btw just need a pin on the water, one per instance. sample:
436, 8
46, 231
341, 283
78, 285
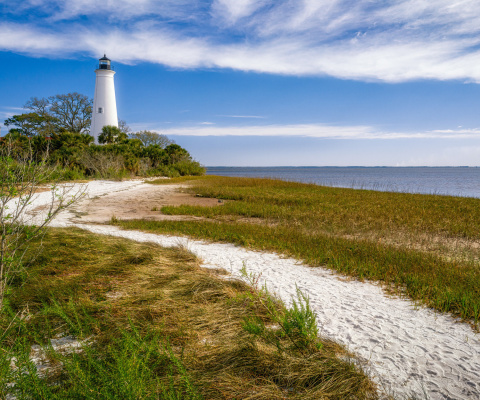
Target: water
454, 181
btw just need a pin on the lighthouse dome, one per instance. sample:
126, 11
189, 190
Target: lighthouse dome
104, 63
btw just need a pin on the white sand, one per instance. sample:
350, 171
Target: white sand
410, 350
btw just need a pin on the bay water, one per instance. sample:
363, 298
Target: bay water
452, 181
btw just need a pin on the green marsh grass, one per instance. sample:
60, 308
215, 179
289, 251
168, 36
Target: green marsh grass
156, 326
340, 210
365, 234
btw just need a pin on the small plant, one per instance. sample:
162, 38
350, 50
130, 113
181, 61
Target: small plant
297, 323
252, 278
253, 325
300, 321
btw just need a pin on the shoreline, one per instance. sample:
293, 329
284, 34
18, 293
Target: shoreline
412, 180
410, 348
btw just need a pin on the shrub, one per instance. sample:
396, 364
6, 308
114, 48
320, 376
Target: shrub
76, 157
189, 167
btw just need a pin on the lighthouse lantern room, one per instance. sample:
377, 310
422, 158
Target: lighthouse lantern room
104, 105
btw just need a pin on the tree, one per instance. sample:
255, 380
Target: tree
73, 111
175, 153
152, 138
67, 148
122, 125
70, 112
111, 134
32, 124
20, 177
39, 106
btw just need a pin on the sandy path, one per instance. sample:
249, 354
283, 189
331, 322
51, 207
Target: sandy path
135, 200
410, 350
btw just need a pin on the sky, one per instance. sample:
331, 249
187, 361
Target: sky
264, 82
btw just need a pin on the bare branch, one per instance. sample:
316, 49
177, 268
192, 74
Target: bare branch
20, 223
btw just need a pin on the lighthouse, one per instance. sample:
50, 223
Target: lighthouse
104, 105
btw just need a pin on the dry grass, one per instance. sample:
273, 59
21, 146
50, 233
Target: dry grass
107, 289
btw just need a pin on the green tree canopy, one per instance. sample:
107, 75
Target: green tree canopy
69, 112
176, 153
151, 138
111, 134
32, 124
55, 132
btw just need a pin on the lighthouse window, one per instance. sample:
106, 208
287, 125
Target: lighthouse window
100, 110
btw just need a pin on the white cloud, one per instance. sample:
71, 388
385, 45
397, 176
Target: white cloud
319, 131
7, 112
26, 39
388, 41
233, 10
243, 116
365, 59
316, 130
459, 131
58, 10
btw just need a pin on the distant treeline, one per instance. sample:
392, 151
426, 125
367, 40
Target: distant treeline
56, 131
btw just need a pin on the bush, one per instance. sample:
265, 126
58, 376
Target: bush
76, 157
68, 174
164, 170
189, 167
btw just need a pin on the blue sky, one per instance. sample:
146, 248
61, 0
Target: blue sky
263, 82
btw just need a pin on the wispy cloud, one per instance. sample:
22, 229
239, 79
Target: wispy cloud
319, 131
12, 109
242, 116
388, 41
7, 112
58, 10
233, 10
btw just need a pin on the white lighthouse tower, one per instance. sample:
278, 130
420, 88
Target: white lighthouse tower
104, 105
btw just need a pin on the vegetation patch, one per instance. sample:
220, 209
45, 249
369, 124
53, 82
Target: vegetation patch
365, 234
153, 325
56, 130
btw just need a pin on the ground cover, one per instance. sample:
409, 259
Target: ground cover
154, 325
423, 246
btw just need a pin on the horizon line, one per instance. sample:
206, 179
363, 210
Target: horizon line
343, 166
